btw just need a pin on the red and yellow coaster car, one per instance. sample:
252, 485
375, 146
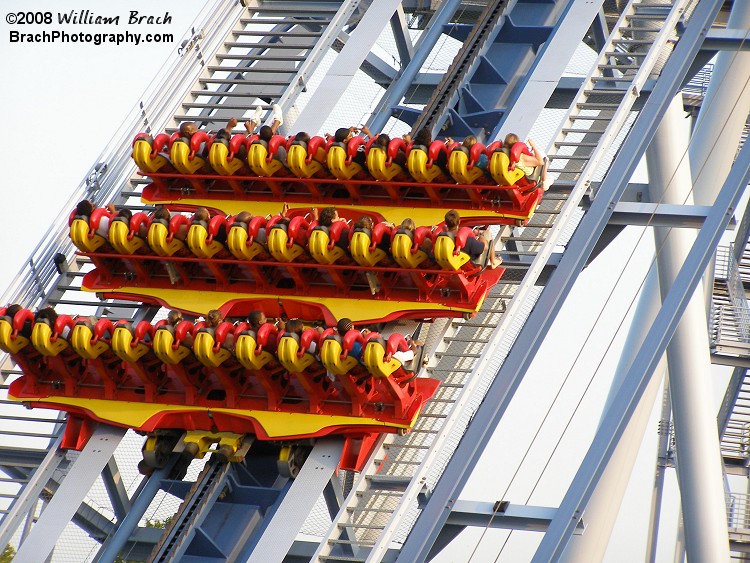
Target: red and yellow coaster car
276, 386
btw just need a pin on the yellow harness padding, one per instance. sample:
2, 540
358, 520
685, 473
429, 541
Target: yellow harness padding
257, 158
319, 250
122, 345
359, 247
417, 164
277, 246
377, 164
330, 356
296, 159
79, 234
203, 349
180, 156
7, 342
401, 251
197, 241
163, 347
142, 150
444, 252
287, 354
373, 357
218, 159
157, 238
237, 244
118, 238
338, 166
458, 166
41, 338
244, 351
80, 340
499, 169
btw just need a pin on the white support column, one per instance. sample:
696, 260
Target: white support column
657, 494
305, 491
721, 120
665, 159
64, 504
722, 116
342, 71
679, 546
696, 436
603, 508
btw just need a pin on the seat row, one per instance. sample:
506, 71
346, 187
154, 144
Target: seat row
275, 238
354, 357
152, 376
397, 161
264, 369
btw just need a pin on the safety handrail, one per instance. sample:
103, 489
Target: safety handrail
35, 280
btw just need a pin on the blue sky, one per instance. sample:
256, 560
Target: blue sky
61, 104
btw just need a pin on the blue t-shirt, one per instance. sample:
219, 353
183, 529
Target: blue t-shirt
356, 351
482, 161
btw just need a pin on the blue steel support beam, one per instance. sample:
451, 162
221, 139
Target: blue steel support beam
727, 40
118, 496
533, 92
509, 376
401, 36
659, 215
638, 376
599, 30
423, 49
716, 40
422, 85
484, 514
465, 514
378, 69
115, 544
